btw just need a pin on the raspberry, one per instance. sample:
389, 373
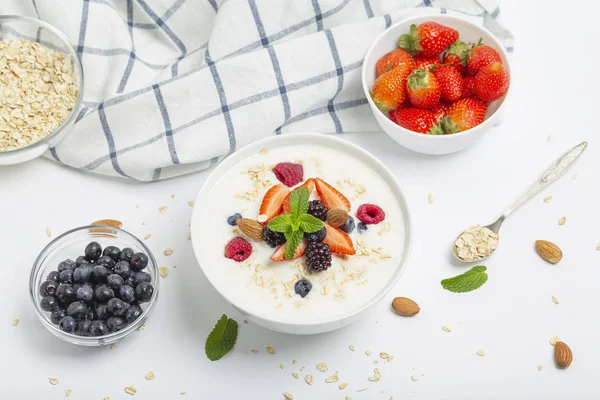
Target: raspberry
370, 214
238, 249
289, 174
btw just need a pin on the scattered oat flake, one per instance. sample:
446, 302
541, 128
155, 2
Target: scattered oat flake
150, 376
264, 151
539, 367
262, 218
141, 328
362, 390
347, 398
245, 321
430, 198
163, 271
308, 379
182, 393
254, 350
446, 329
574, 176
547, 199
343, 385
68, 392
48, 232
333, 378
554, 339
549, 138
288, 396
130, 390
555, 300
414, 378
271, 350
113, 346
368, 353
168, 252
598, 246
15, 322
383, 355
191, 203
107, 398
281, 366
294, 361
53, 381
172, 196
295, 375
162, 209
148, 236
562, 220
322, 367
480, 353
351, 348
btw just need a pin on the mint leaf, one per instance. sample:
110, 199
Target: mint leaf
293, 241
280, 223
222, 338
309, 224
470, 280
299, 201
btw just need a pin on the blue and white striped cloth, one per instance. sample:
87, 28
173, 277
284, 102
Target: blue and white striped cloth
173, 86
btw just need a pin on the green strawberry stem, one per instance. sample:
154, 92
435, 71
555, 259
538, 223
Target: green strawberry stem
410, 41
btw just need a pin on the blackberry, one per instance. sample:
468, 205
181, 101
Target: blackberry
317, 236
318, 256
272, 238
317, 209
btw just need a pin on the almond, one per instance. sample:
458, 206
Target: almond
251, 228
337, 217
562, 355
548, 251
405, 306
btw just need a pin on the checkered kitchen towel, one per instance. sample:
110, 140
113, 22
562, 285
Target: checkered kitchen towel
173, 86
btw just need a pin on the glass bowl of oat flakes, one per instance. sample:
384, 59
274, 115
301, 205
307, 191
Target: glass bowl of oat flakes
41, 88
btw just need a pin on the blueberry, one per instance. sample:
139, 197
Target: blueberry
117, 307
85, 293
77, 310
115, 324
348, 227
82, 274
101, 311
123, 269
302, 287
317, 236
57, 315
91, 314
67, 324
114, 281
65, 294
133, 313
139, 261
67, 264
83, 327
126, 293
103, 293
112, 252
144, 291
93, 251
106, 261
48, 288
100, 273
140, 277
80, 261
53, 276
49, 303
361, 227
98, 328
129, 281
233, 219
126, 254
66, 276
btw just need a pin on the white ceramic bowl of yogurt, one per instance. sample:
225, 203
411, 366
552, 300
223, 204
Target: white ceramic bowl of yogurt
262, 290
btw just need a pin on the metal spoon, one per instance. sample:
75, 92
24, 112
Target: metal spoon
558, 168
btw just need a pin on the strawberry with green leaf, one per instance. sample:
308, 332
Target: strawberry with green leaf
389, 89
480, 56
393, 59
294, 225
456, 55
423, 89
428, 39
464, 114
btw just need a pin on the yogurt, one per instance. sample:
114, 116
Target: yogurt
266, 288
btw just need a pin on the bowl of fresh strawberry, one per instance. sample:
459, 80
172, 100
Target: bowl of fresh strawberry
436, 84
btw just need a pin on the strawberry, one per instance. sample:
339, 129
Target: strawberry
393, 59
450, 80
389, 90
415, 119
338, 241
491, 82
440, 110
330, 196
482, 55
310, 184
279, 253
271, 205
423, 89
464, 114
468, 88
428, 39
426, 62
456, 55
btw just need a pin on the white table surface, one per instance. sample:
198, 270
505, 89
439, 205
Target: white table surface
511, 317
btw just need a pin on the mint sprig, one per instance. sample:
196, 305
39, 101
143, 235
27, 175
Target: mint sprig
295, 224
222, 338
470, 280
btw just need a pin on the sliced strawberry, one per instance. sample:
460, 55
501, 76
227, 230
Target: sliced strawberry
310, 184
330, 196
279, 253
338, 241
272, 202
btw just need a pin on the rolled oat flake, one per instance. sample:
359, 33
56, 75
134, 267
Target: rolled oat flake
475, 243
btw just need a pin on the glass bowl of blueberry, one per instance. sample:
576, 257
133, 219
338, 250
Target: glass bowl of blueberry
94, 285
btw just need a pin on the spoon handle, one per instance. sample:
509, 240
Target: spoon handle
558, 168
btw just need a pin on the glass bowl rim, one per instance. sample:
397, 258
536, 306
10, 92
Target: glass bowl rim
65, 40
111, 337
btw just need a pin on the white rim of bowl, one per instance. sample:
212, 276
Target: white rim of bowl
400, 268
436, 18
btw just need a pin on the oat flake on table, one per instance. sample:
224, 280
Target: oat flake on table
15, 322
68, 392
